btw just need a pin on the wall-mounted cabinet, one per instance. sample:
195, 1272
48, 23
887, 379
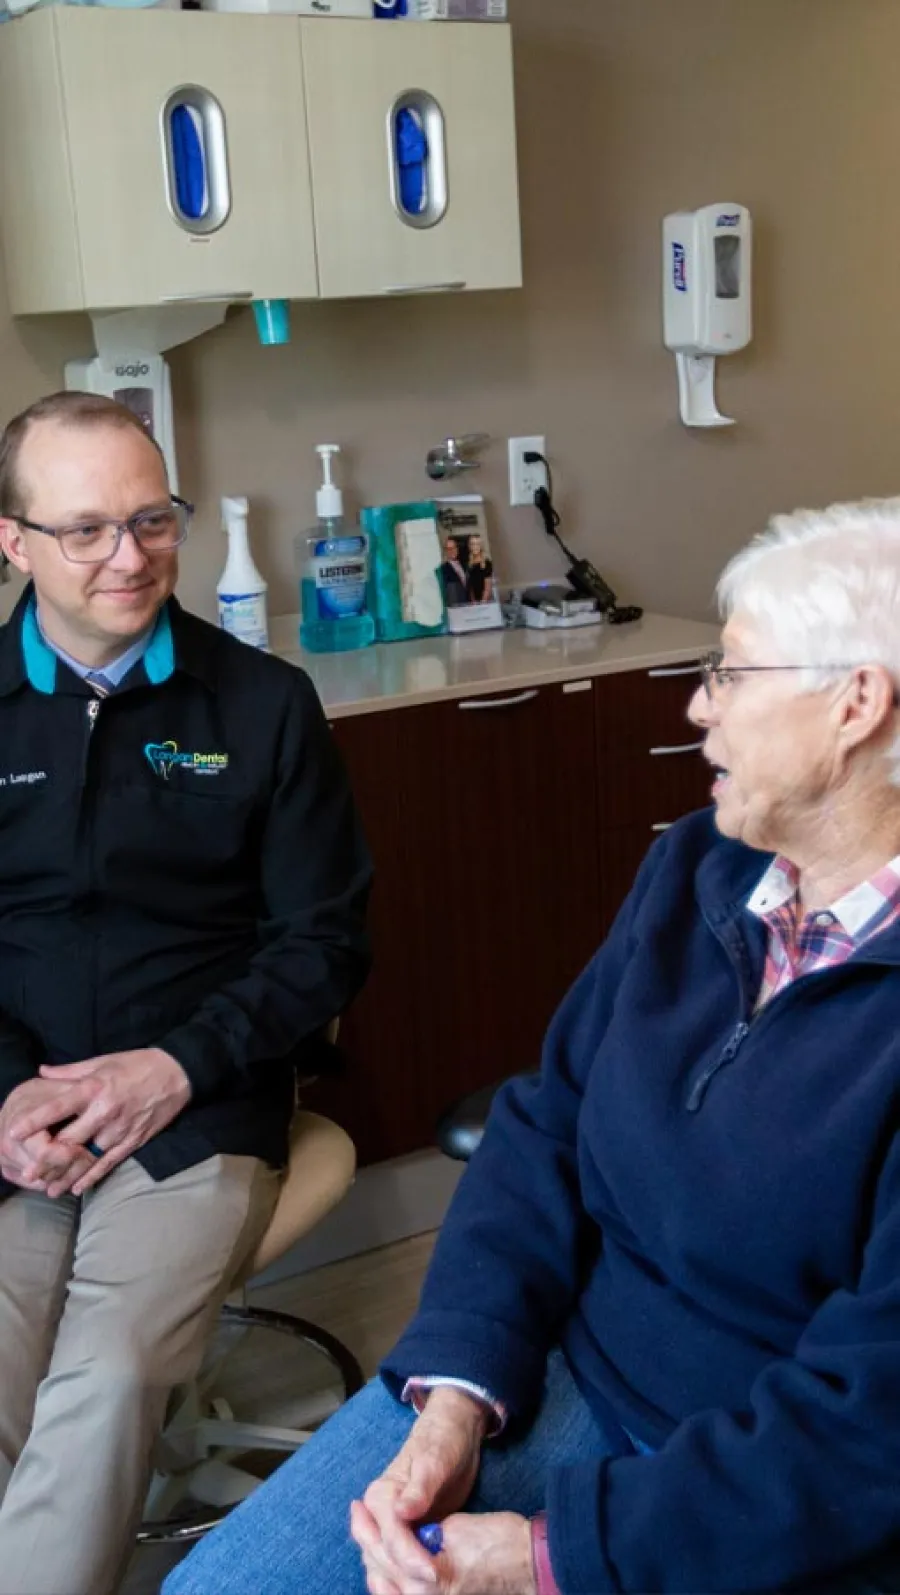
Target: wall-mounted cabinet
160, 156
458, 80
89, 210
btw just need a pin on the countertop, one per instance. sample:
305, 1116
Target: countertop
403, 674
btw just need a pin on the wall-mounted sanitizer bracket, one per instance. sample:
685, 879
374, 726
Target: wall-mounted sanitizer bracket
129, 367
707, 279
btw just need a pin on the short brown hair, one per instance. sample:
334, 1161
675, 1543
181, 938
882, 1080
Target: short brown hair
71, 409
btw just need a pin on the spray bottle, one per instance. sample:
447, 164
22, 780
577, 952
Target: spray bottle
241, 589
333, 561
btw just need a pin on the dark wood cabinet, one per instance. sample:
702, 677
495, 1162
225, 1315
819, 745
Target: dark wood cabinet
650, 771
506, 830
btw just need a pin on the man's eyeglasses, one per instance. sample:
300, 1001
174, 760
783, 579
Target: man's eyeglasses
715, 675
94, 542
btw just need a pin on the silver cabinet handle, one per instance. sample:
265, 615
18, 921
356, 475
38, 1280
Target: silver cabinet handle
674, 670
663, 825
178, 299
426, 288
499, 703
681, 747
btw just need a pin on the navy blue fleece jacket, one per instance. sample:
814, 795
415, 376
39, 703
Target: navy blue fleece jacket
703, 1209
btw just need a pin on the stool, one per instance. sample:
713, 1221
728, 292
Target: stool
197, 1478
461, 1127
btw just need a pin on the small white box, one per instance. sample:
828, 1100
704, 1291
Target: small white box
457, 10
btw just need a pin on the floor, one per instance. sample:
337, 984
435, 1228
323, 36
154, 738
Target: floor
365, 1301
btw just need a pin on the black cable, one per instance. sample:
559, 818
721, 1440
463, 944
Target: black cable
616, 614
543, 502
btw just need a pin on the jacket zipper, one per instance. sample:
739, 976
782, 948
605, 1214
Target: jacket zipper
729, 1052
92, 710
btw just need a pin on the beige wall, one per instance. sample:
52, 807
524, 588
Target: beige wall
627, 109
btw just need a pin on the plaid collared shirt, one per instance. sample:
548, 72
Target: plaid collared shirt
799, 944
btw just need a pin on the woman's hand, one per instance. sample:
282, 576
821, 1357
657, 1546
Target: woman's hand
484, 1554
431, 1476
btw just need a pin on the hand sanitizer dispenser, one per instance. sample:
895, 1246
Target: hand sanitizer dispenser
140, 381
706, 300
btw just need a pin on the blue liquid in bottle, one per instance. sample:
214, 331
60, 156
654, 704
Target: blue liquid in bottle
334, 617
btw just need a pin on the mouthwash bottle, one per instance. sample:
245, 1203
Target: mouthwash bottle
333, 559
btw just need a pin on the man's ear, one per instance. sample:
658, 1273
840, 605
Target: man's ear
13, 543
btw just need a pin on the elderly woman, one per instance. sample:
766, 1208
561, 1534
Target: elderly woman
658, 1347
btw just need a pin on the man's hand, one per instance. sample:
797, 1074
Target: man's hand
120, 1101
485, 1553
432, 1475
38, 1162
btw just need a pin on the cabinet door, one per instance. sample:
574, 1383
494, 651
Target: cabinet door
357, 75
482, 821
651, 769
376, 1098
118, 71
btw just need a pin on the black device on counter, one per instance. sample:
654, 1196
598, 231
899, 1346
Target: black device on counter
583, 577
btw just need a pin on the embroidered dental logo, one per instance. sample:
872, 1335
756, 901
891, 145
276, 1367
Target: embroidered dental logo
164, 757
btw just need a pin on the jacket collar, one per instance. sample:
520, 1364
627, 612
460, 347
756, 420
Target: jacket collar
726, 879
179, 642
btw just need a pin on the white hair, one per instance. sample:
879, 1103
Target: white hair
824, 587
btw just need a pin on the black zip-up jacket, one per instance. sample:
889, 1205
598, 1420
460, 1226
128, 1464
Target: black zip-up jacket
181, 866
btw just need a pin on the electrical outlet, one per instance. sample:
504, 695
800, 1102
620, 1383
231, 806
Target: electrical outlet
524, 480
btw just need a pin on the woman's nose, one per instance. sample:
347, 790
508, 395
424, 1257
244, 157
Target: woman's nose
702, 709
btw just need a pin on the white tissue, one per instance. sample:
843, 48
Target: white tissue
418, 558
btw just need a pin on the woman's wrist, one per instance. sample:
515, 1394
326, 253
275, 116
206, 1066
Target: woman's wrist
450, 1401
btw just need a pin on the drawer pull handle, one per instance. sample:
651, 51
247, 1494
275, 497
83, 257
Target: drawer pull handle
674, 670
663, 825
206, 298
681, 747
426, 288
499, 703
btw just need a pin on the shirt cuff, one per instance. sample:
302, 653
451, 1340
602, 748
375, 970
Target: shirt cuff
545, 1583
415, 1391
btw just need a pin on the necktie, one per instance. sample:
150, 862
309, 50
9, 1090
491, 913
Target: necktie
100, 683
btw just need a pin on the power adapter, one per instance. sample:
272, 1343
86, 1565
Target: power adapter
582, 576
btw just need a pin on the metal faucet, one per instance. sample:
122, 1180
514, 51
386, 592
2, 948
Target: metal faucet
449, 458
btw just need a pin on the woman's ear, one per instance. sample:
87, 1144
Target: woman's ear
868, 703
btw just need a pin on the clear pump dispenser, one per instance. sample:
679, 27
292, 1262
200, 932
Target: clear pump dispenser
333, 563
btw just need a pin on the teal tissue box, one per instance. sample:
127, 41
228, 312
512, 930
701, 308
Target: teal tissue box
385, 591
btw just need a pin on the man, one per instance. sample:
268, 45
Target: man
453, 574
182, 892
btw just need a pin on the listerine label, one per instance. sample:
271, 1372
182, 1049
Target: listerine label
340, 587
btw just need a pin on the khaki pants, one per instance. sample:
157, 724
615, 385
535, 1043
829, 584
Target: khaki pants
105, 1306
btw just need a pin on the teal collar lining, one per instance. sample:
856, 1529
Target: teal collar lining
39, 658
159, 654
41, 662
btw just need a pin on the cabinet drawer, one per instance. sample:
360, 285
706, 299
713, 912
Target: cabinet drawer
644, 709
653, 788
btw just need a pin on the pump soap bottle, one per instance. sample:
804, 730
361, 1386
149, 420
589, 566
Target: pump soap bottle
241, 589
333, 562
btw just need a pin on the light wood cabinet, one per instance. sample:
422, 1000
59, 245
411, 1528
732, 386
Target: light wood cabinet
356, 76
294, 118
85, 200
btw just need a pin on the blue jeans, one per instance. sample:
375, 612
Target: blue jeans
292, 1538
